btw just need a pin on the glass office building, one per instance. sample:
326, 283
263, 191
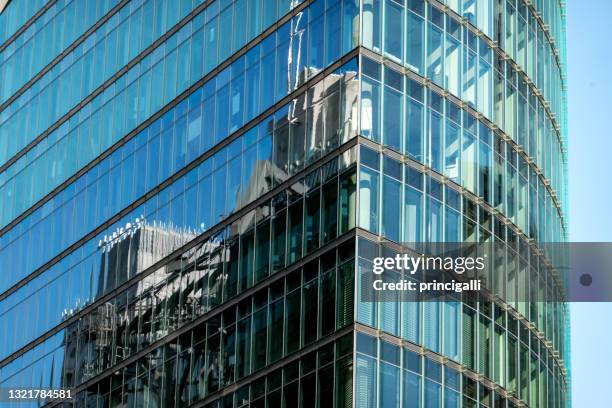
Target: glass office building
190, 191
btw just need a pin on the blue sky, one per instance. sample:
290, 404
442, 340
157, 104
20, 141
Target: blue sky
589, 59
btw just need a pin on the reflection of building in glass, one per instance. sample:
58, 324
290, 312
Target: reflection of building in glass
189, 223
121, 255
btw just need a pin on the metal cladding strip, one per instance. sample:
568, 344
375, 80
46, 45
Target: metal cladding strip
337, 152
425, 352
106, 84
254, 376
513, 144
496, 48
218, 310
255, 41
542, 25
466, 194
351, 328
184, 170
26, 25
527, 324
192, 244
58, 59
101, 88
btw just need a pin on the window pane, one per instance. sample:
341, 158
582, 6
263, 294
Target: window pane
368, 199
415, 42
391, 214
394, 21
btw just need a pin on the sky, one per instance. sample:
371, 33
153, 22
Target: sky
589, 59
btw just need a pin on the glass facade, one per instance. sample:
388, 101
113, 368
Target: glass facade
191, 190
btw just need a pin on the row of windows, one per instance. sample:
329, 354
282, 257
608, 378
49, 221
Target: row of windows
259, 160
177, 215
468, 345
515, 278
94, 149
437, 325
423, 210
196, 55
514, 25
511, 21
57, 165
13, 17
388, 375
533, 132
182, 309
170, 309
44, 40
292, 312
178, 63
453, 56
238, 94
323, 378
164, 301
454, 143
216, 110
82, 71
553, 14
462, 335
118, 108
266, 330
